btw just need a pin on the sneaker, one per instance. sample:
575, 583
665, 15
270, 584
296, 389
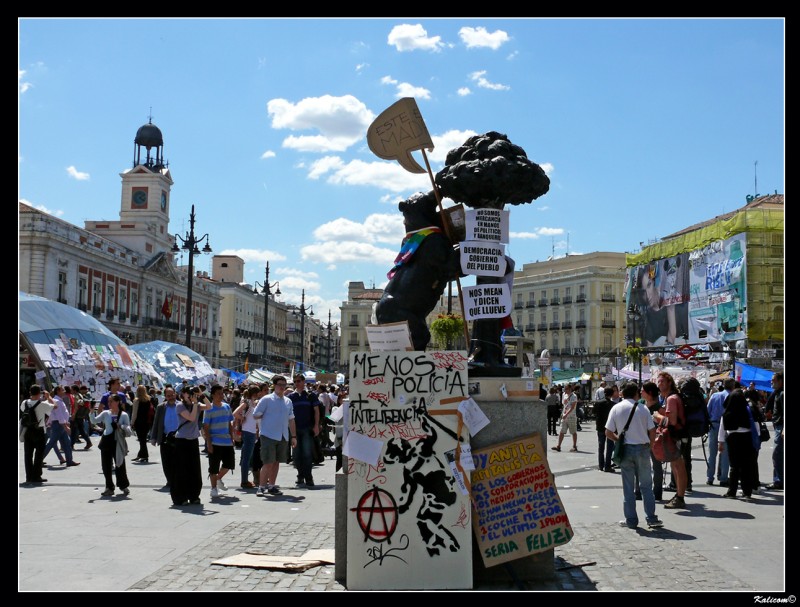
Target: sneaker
275, 491
126, 491
774, 487
675, 502
556, 448
260, 491
220, 485
655, 524
729, 495
214, 492
624, 523
107, 493
710, 481
195, 501
245, 485
73, 464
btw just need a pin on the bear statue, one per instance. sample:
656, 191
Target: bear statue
427, 262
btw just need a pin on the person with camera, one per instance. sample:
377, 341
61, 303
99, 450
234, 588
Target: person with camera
187, 482
162, 434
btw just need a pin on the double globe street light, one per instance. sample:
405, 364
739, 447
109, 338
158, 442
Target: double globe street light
266, 289
190, 243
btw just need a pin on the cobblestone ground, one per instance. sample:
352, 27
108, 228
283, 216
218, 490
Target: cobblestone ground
603, 557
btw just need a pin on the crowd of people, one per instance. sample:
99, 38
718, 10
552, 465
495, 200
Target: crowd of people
271, 423
737, 416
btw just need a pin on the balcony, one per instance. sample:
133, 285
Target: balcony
567, 324
608, 324
581, 324
353, 344
519, 305
580, 299
82, 307
61, 300
109, 314
555, 326
530, 326
353, 323
123, 316
542, 303
567, 299
96, 310
531, 304
542, 326
608, 297
555, 301
134, 318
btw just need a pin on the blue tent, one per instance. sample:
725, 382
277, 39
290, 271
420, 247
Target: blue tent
748, 373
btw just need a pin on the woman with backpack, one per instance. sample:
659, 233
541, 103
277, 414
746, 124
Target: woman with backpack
671, 415
736, 430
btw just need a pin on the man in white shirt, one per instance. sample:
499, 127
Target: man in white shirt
600, 393
277, 431
638, 440
35, 438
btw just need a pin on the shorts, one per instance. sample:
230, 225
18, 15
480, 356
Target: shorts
223, 454
274, 451
569, 423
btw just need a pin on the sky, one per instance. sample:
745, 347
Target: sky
644, 126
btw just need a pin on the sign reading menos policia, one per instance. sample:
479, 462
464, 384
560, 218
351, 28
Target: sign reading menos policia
516, 508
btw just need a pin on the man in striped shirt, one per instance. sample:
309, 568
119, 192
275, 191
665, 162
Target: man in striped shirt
218, 433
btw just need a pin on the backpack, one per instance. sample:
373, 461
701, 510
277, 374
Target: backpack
695, 412
27, 418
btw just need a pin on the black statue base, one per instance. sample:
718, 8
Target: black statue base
479, 370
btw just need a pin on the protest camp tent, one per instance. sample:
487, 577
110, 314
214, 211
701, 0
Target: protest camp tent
749, 373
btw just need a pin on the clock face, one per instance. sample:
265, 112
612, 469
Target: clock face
163, 200
139, 198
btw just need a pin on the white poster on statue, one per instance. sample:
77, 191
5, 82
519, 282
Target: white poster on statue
487, 301
483, 258
408, 522
487, 225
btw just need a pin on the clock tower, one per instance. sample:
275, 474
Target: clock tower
144, 210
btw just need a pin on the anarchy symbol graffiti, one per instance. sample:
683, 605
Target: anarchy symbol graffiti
377, 515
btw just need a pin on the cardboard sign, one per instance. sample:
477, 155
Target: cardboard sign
487, 301
407, 518
398, 131
326, 378
389, 337
481, 258
487, 225
516, 508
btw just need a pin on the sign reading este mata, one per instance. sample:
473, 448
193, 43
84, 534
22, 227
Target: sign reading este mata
517, 510
397, 132
408, 523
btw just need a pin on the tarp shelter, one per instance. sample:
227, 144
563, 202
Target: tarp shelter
72, 347
176, 363
259, 376
760, 377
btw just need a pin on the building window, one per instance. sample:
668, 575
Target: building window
555, 315
568, 343
555, 342
607, 342
123, 301
96, 295
567, 291
608, 314
567, 315
582, 291
148, 306
134, 302
543, 317
62, 287
110, 301
582, 315
82, 292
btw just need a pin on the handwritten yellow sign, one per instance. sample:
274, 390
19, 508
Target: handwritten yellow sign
397, 132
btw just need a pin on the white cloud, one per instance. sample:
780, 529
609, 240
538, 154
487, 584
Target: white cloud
544, 207
378, 227
298, 283
547, 167
388, 80
464, 91
260, 255
404, 89
407, 37
23, 86
76, 174
537, 233
478, 37
285, 271
42, 208
349, 251
341, 121
268, 154
482, 82
385, 175
361, 67
513, 55
446, 142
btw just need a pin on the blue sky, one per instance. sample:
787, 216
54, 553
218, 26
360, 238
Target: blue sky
643, 126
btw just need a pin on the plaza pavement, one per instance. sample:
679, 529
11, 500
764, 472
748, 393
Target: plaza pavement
72, 539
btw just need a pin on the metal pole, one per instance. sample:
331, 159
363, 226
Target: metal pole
266, 315
328, 361
191, 244
303, 332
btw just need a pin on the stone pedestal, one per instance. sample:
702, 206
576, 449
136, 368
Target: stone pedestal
521, 413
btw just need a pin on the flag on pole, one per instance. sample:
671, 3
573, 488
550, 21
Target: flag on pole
166, 309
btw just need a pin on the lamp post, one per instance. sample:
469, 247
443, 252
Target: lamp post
328, 361
303, 330
265, 289
189, 243
635, 315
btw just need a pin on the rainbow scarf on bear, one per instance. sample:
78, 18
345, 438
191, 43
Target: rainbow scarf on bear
410, 245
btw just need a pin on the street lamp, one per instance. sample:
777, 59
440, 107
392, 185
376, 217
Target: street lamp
190, 243
303, 329
328, 356
265, 289
634, 315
